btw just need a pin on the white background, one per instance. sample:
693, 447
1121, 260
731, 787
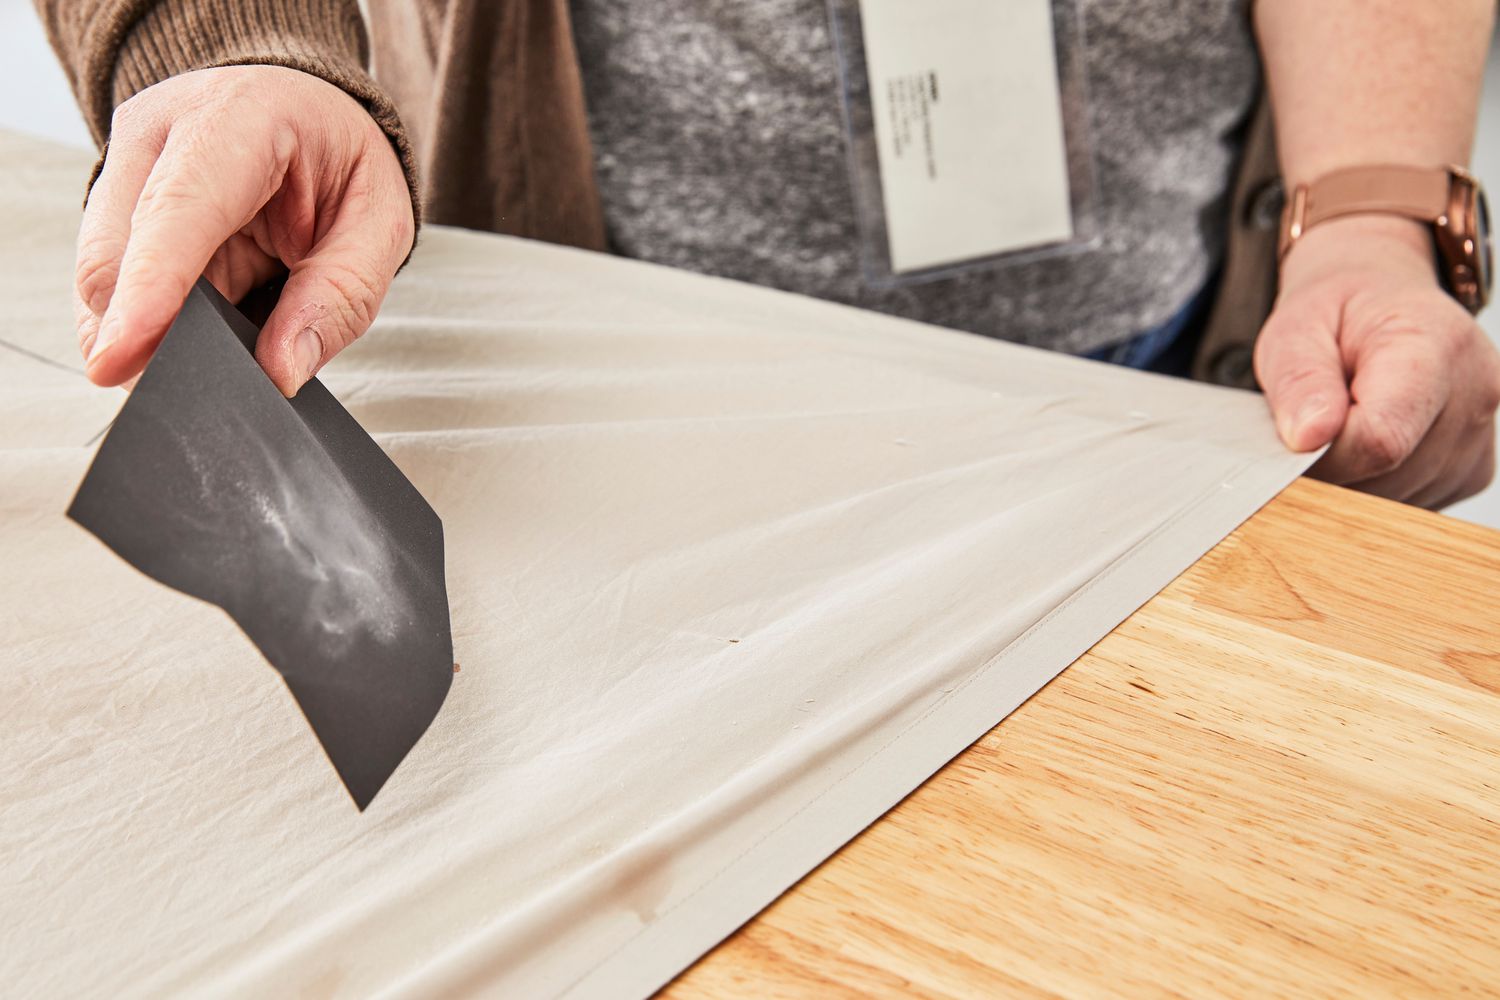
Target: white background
36, 99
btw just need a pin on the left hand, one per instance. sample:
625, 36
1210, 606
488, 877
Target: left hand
1365, 349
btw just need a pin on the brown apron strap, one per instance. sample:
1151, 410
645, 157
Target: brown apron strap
490, 90
1247, 286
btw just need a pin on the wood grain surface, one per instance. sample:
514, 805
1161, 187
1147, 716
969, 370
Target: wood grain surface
1281, 777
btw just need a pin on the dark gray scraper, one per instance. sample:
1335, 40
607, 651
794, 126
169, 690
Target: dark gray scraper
289, 517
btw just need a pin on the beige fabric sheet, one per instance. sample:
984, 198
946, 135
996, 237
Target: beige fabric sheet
731, 572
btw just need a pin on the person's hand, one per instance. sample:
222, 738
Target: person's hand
1366, 350
240, 174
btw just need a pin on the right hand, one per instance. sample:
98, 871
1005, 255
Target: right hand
240, 174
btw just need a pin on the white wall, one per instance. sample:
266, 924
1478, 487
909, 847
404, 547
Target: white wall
36, 95
36, 99
1485, 508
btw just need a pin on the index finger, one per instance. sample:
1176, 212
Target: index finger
206, 185
105, 230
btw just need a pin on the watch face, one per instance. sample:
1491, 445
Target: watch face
1463, 242
1484, 250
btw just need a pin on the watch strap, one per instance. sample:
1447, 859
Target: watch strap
1419, 193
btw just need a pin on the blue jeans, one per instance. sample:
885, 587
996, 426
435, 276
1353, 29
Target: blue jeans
1167, 348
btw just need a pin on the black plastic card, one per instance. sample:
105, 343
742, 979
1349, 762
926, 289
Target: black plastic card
289, 517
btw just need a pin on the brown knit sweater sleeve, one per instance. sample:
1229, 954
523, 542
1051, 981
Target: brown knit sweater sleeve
113, 49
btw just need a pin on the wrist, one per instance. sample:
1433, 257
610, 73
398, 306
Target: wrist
1396, 247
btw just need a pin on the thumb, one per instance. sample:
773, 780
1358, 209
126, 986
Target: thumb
329, 300
1298, 364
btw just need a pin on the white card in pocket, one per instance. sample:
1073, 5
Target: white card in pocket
965, 108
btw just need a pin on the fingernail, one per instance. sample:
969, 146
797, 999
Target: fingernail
308, 353
109, 332
1311, 410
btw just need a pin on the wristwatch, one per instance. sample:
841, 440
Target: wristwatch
1449, 198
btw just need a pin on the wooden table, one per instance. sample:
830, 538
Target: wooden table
1281, 777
